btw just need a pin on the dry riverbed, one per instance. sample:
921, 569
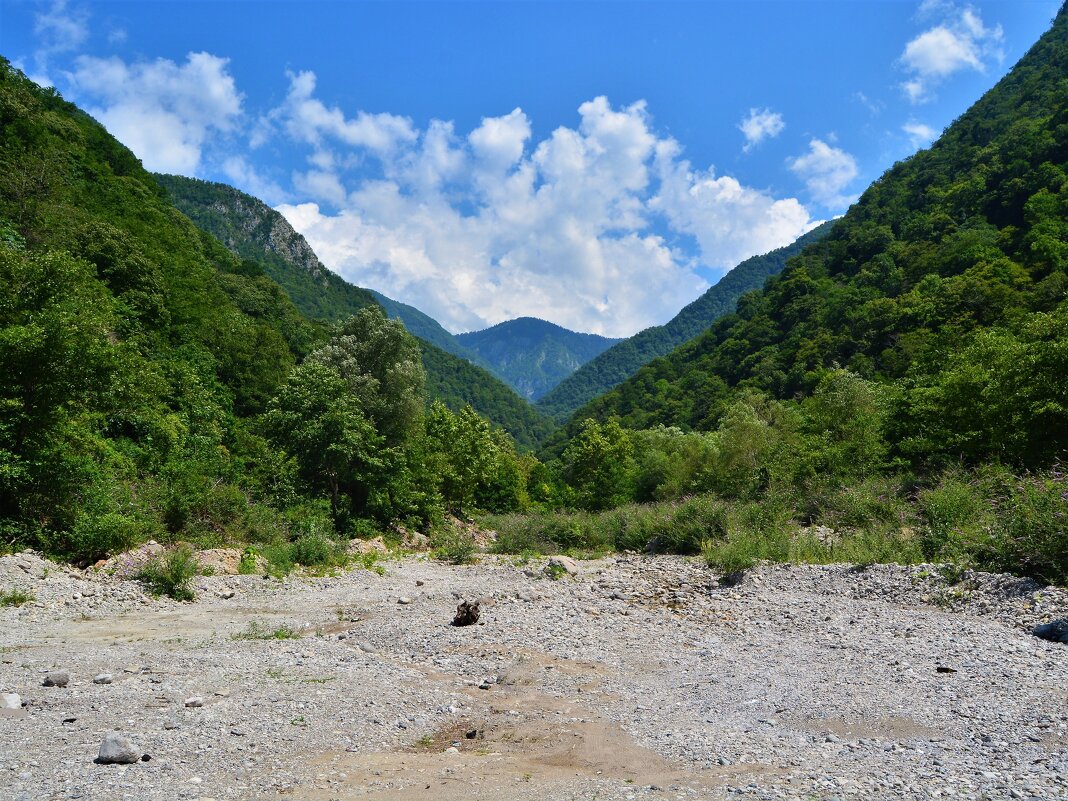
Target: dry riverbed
638, 678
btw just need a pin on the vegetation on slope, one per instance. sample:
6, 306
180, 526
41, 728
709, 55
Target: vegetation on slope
533, 355
944, 285
153, 384
625, 358
259, 234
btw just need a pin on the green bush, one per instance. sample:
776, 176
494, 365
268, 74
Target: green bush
171, 573
450, 544
247, 566
957, 516
692, 522
313, 550
1031, 532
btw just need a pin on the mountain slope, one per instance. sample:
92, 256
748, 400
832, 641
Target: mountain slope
132, 345
946, 282
255, 231
624, 359
533, 355
259, 234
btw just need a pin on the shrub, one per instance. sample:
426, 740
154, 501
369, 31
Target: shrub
449, 544
957, 517
247, 566
1031, 532
171, 573
314, 550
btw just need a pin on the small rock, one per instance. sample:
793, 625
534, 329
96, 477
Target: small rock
195, 701
117, 750
1057, 631
171, 723
10, 701
60, 678
404, 600
466, 613
565, 563
103, 678
227, 594
419, 582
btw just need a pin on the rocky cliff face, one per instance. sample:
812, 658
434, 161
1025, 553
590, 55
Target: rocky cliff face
256, 220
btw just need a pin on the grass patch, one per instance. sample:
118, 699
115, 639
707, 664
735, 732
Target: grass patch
171, 573
15, 597
258, 631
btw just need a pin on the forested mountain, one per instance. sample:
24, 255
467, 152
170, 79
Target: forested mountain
945, 283
533, 355
626, 357
155, 384
261, 236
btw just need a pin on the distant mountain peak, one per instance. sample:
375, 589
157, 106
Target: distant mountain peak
534, 355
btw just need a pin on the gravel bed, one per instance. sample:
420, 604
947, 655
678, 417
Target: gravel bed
638, 677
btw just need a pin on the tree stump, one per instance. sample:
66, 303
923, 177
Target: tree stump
466, 614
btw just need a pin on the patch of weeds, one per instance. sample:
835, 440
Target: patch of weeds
524, 557
555, 572
247, 566
299, 720
275, 673
257, 631
369, 561
425, 742
15, 597
952, 572
171, 573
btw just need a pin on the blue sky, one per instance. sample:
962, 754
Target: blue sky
594, 164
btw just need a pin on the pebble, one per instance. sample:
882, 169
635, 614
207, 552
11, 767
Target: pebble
404, 600
10, 701
103, 678
195, 702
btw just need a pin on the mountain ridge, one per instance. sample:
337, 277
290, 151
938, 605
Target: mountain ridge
626, 357
946, 284
533, 355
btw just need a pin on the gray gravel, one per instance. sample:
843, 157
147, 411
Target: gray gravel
639, 677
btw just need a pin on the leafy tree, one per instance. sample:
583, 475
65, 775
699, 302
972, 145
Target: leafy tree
380, 362
599, 465
320, 422
462, 449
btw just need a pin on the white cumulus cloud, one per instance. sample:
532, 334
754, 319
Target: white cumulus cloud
960, 41
919, 134
163, 111
826, 171
761, 124
578, 227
